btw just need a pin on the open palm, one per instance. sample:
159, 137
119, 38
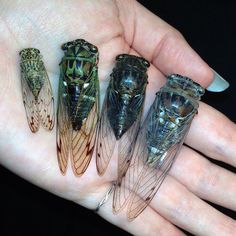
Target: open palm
116, 27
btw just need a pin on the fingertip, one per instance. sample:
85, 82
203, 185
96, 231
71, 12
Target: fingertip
175, 56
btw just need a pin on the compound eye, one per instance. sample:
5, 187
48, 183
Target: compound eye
35, 50
94, 49
146, 63
120, 57
64, 46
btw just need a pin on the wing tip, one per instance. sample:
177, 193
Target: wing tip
78, 173
101, 171
63, 171
34, 130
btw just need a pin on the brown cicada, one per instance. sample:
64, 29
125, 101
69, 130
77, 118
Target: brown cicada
36, 89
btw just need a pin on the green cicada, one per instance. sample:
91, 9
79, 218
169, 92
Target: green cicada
36, 90
78, 105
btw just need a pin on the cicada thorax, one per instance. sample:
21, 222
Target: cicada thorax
77, 67
128, 83
32, 66
173, 110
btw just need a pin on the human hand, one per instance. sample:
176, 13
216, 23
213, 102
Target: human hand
116, 28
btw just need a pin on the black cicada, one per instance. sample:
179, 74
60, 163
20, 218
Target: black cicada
122, 111
158, 143
78, 105
36, 89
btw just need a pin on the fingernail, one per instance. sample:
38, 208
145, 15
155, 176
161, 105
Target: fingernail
219, 84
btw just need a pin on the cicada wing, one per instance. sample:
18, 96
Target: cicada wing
63, 129
126, 183
125, 149
150, 177
46, 103
149, 181
30, 104
83, 142
105, 142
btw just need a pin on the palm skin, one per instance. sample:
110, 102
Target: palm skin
114, 27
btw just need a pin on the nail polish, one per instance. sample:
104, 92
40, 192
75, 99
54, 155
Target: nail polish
218, 84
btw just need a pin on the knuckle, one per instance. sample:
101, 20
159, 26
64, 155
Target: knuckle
208, 178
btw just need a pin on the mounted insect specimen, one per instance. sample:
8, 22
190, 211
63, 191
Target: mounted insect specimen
36, 90
122, 111
78, 105
158, 143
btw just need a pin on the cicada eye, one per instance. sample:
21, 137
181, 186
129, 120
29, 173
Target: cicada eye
36, 50
67, 45
201, 90
146, 63
64, 46
94, 49
120, 57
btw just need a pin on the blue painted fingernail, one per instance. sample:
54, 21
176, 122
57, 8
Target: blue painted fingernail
218, 84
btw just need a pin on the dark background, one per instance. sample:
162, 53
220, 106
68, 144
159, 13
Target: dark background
210, 28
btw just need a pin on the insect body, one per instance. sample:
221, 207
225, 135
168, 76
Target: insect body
122, 110
158, 143
78, 105
36, 89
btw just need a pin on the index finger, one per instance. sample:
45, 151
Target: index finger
163, 45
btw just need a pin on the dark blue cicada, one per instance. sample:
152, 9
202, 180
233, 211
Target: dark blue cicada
158, 143
78, 105
122, 111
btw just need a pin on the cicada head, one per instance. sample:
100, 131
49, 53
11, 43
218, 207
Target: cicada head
138, 63
186, 85
82, 50
30, 54
80, 59
131, 77
180, 98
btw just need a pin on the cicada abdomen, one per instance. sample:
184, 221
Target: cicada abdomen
160, 139
78, 105
36, 90
122, 111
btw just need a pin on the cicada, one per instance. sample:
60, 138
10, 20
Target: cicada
158, 143
36, 89
122, 111
78, 105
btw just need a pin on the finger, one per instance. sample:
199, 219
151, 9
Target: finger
213, 134
162, 44
155, 81
205, 179
149, 223
181, 207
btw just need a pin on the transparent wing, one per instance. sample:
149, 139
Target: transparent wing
30, 105
83, 142
106, 141
46, 103
125, 150
149, 181
147, 178
63, 129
